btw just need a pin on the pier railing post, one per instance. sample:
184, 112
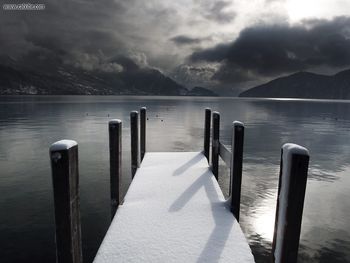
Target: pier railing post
142, 132
134, 130
290, 202
236, 167
207, 132
65, 178
115, 162
215, 144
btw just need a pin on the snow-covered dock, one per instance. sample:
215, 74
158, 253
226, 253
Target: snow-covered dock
174, 211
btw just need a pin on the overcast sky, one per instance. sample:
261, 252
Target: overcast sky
213, 43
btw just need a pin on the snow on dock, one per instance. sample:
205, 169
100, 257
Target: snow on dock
174, 211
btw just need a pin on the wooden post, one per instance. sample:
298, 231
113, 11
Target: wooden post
207, 132
290, 202
65, 179
236, 167
115, 162
215, 144
134, 130
142, 132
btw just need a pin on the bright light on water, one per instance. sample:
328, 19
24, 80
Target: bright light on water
264, 222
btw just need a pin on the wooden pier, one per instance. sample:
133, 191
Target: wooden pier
174, 210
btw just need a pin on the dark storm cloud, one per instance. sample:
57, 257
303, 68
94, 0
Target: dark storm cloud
231, 74
275, 49
83, 33
78, 32
60, 31
91, 34
185, 40
88, 33
181, 40
216, 54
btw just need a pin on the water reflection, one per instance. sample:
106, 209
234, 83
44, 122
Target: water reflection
322, 127
30, 124
334, 250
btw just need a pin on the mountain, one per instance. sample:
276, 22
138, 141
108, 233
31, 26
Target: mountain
68, 80
305, 85
200, 91
79, 82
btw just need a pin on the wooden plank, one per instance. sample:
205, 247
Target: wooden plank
225, 154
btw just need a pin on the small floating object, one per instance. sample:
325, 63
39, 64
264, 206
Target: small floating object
161, 120
147, 118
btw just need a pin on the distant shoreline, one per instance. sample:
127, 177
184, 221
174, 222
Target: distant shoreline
185, 96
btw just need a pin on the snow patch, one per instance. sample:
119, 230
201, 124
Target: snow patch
238, 123
62, 145
291, 148
115, 121
174, 211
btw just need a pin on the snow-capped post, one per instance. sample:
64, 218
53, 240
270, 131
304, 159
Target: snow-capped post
142, 132
115, 162
215, 144
236, 167
65, 180
207, 123
290, 202
134, 130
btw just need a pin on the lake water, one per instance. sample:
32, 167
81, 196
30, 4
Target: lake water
29, 124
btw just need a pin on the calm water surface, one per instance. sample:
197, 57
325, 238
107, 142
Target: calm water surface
28, 125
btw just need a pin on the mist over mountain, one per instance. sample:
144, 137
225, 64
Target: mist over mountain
304, 85
200, 91
120, 76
